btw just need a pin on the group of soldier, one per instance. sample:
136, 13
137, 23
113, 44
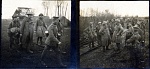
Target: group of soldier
21, 35
118, 34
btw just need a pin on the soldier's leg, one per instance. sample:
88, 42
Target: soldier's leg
31, 43
99, 40
40, 40
28, 44
118, 46
103, 48
11, 42
58, 55
44, 53
92, 43
17, 43
107, 45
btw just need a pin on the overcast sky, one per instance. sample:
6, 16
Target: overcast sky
131, 8
9, 7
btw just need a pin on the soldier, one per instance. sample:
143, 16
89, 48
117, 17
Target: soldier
60, 32
14, 32
105, 34
51, 43
98, 34
92, 35
60, 28
135, 48
27, 32
117, 33
40, 27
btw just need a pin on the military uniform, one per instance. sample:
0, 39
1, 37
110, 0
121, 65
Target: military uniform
117, 35
92, 35
105, 34
27, 33
14, 32
40, 28
135, 51
98, 34
51, 43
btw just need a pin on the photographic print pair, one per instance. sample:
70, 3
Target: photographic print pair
37, 33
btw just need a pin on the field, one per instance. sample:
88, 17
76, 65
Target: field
11, 58
96, 58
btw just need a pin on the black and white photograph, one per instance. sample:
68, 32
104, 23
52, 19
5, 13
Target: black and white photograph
114, 34
35, 33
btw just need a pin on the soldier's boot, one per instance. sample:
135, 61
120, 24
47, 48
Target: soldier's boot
18, 45
90, 46
60, 51
37, 40
60, 61
93, 45
28, 49
11, 43
103, 48
10, 46
43, 54
118, 46
40, 40
107, 47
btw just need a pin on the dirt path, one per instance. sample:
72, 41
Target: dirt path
108, 59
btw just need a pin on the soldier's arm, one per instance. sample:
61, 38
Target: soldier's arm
52, 36
131, 39
62, 30
10, 25
101, 29
44, 24
121, 27
108, 32
19, 23
22, 26
141, 30
36, 25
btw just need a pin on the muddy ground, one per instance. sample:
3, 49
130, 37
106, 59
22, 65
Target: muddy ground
11, 58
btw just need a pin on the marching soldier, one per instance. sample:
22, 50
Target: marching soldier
40, 27
14, 32
60, 28
51, 43
27, 32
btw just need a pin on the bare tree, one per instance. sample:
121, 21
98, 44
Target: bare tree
46, 5
66, 9
59, 2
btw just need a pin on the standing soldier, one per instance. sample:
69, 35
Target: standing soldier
92, 35
98, 34
51, 43
117, 33
135, 51
105, 34
27, 32
40, 27
14, 32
